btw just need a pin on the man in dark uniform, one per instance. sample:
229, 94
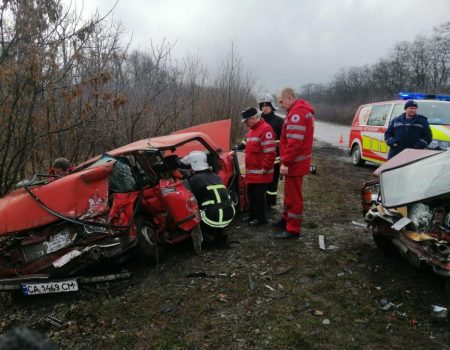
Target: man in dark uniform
267, 107
216, 209
408, 130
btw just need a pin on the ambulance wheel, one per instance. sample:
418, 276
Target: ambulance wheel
148, 247
356, 156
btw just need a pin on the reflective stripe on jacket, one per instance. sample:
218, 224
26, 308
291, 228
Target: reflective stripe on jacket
260, 153
216, 209
297, 138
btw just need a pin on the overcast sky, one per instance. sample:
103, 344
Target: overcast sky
285, 42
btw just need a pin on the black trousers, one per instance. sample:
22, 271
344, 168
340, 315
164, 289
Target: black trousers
257, 197
271, 195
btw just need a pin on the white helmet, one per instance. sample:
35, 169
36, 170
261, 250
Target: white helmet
266, 97
198, 160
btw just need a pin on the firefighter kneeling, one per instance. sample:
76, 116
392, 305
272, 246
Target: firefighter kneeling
216, 209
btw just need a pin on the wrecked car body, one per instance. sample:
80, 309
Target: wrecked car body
128, 200
409, 206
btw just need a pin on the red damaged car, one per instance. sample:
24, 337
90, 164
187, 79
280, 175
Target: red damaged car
131, 199
408, 206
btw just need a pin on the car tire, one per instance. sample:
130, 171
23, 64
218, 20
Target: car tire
148, 248
233, 192
382, 242
447, 287
356, 156
234, 197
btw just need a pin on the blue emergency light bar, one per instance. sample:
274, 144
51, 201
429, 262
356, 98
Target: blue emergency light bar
420, 96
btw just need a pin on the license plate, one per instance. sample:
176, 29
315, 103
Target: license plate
50, 287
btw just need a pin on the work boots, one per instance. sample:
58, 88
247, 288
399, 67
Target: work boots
281, 224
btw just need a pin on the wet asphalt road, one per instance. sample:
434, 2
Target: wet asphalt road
331, 133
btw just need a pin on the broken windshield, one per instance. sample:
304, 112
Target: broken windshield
415, 182
121, 179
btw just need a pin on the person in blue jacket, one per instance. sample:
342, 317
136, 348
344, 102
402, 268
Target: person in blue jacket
408, 130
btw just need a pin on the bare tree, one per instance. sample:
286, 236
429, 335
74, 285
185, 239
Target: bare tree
44, 84
439, 54
231, 90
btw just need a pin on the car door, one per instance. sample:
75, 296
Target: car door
374, 147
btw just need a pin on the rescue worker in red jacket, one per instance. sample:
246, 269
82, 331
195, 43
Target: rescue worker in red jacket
296, 144
260, 154
267, 106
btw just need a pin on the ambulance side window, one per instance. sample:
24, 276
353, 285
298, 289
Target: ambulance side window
398, 109
364, 115
378, 115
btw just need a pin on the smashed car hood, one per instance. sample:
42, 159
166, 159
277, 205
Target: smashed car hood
407, 156
71, 196
416, 176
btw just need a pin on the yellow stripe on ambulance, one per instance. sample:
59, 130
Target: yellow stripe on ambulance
440, 132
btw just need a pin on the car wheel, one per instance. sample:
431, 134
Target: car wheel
234, 197
356, 156
447, 287
380, 241
148, 247
197, 239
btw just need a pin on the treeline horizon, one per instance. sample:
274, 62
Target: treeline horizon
421, 65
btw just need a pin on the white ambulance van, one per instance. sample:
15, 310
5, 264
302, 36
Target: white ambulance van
366, 141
